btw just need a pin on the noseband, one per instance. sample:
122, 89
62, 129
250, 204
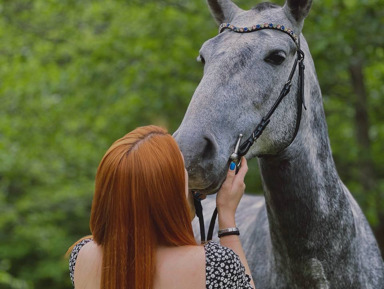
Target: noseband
242, 149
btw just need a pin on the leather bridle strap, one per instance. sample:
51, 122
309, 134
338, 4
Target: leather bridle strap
197, 197
246, 145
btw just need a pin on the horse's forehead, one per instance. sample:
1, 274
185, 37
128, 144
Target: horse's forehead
252, 17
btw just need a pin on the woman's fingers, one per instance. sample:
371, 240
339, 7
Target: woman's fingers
239, 179
230, 174
243, 169
231, 191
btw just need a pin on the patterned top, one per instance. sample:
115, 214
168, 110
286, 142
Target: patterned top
223, 268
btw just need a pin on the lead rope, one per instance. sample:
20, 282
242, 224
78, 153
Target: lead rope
197, 197
212, 225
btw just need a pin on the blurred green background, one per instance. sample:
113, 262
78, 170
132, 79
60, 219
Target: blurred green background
75, 75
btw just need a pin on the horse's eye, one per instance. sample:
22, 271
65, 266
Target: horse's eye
201, 59
276, 57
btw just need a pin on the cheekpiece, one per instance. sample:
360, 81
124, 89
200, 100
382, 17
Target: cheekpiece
257, 27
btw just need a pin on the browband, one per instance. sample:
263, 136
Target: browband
256, 27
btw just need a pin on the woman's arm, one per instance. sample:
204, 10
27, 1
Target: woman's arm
227, 201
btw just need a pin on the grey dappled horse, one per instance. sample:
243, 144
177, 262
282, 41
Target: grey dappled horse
307, 231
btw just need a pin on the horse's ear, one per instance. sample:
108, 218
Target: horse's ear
223, 10
298, 9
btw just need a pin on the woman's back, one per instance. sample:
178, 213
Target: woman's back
180, 267
209, 266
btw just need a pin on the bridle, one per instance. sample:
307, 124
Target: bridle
246, 145
243, 148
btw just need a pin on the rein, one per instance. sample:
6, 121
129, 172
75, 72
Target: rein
242, 149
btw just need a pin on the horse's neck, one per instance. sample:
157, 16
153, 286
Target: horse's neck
308, 207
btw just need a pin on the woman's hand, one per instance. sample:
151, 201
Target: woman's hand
227, 200
229, 195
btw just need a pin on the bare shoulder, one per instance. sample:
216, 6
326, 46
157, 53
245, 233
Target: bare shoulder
180, 267
88, 266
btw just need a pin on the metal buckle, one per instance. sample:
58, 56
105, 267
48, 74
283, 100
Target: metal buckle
235, 157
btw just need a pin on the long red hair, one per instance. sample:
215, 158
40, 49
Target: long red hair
139, 203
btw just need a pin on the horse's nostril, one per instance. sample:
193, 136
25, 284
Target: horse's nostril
209, 149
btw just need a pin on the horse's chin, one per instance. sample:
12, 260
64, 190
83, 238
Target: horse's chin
207, 191
208, 183
213, 188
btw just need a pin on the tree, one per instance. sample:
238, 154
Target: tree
77, 75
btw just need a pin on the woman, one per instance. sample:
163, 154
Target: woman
141, 223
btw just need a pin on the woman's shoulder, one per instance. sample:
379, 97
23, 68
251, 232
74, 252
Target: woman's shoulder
214, 252
85, 259
74, 254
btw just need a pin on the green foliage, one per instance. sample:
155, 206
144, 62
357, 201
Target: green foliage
77, 75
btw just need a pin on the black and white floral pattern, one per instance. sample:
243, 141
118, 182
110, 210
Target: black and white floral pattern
222, 267
73, 258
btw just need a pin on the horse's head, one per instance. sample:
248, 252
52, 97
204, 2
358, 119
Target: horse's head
244, 74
